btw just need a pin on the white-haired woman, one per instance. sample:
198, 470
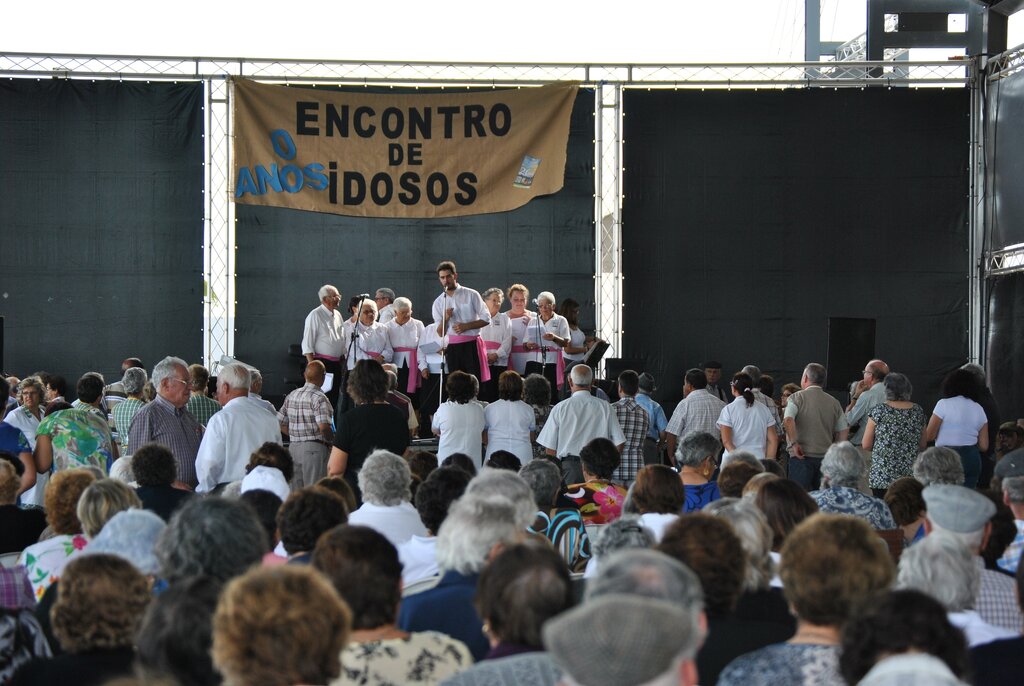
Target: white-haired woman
385, 482
545, 338
404, 333
497, 338
894, 434
371, 341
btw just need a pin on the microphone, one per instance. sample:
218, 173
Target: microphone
534, 301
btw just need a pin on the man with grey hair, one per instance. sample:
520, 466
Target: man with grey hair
1010, 471
475, 528
167, 422
385, 299
868, 394
943, 567
967, 515
626, 532
234, 433
255, 390
576, 421
384, 483
814, 421
132, 383
323, 336
939, 465
842, 471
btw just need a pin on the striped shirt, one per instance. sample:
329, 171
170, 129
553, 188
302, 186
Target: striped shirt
303, 411
634, 421
202, 407
172, 427
699, 411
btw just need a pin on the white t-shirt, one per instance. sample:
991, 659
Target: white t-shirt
397, 523
461, 428
509, 423
962, 420
419, 559
749, 426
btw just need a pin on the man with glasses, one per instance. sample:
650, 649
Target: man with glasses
323, 337
385, 299
167, 422
868, 394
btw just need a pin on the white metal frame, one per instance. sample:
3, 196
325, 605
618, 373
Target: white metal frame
610, 81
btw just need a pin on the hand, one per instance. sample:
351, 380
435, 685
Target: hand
548, 336
459, 327
492, 358
448, 313
529, 346
377, 356
796, 451
425, 373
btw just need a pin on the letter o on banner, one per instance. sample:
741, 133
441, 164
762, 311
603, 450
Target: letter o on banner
291, 178
283, 144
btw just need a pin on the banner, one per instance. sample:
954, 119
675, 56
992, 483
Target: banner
406, 155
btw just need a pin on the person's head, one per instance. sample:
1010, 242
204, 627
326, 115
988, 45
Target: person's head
581, 377
134, 380
939, 465
1002, 529
421, 464
474, 526
447, 275
766, 384
1013, 491
10, 481
171, 380
90, 388
510, 386
31, 392
843, 465
756, 482
61, 500
339, 487
905, 500
199, 378
544, 480
437, 493
897, 387
100, 602
570, 309
751, 527
733, 477
367, 312
493, 298
959, 512
626, 532
367, 382
503, 459
897, 623
501, 482
233, 381
102, 500
537, 390
964, 383
875, 372
712, 371
274, 455
698, 449
266, 505
785, 504
261, 608
694, 380
176, 633
629, 383
943, 567
384, 297
305, 515
255, 381
546, 304
518, 295
131, 534
403, 309
743, 385
154, 465
600, 458
1009, 437
460, 461
56, 386
329, 296
753, 371
709, 546
658, 489
460, 386
661, 640
525, 586
353, 305
364, 569
384, 479
213, 537
811, 556
55, 406
814, 375
788, 390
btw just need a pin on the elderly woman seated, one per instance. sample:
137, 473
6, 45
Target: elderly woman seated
563, 526
658, 495
363, 567
19, 528
625, 533
155, 472
433, 499
821, 598
267, 605
943, 566
939, 466
384, 480
697, 456
843, 471
600, 501
306, 515
97, 644
906, 503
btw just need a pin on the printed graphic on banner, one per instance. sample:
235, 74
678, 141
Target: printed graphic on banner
405, 155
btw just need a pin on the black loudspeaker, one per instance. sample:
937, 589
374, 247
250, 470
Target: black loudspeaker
851, 345
613, 366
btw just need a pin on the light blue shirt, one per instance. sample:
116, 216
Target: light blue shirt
658, 419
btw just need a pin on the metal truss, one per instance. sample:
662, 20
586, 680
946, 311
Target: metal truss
609, 82
1005, 261
1006, 64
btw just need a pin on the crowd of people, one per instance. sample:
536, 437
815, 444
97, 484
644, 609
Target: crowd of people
153, 534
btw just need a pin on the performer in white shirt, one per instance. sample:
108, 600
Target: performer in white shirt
371, 340
497, 337
545, 337
519, 318
460, 314
404, 333
430, 359
323, 337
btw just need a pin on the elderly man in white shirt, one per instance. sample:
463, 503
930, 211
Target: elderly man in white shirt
323, 336
234, 433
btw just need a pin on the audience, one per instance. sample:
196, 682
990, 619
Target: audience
697, 457
906, 502
155, 472
599, 500
384, 481
658, 496
563, 526
303, 518
939, 466
785, 504
433, 499
843, 473
19, 528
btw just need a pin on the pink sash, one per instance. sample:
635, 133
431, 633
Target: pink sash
520, 349
414, 372
318, 356
485, 370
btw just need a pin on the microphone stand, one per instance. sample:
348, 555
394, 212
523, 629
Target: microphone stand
444, 354
353, 347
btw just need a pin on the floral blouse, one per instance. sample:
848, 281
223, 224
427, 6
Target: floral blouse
46, 560
600, 502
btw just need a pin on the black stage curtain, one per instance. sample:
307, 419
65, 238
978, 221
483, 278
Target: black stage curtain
102, 221
750, 217
1004, 153
284, 256
1006, 345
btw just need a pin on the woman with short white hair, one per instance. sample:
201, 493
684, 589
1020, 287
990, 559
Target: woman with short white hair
371, 341
385, 482
545, 337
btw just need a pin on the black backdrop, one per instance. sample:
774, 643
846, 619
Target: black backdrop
284, 256
101, 224
1006, 344
750, 217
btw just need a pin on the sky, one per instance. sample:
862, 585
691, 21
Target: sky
572, 31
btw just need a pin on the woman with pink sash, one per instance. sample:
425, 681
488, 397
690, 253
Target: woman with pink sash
519, 319
404, 333
497, 338
545, 337
372, 341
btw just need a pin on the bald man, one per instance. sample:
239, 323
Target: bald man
305, 418
868, 394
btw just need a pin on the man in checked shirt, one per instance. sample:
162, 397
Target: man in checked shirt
635, 422
305, 417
